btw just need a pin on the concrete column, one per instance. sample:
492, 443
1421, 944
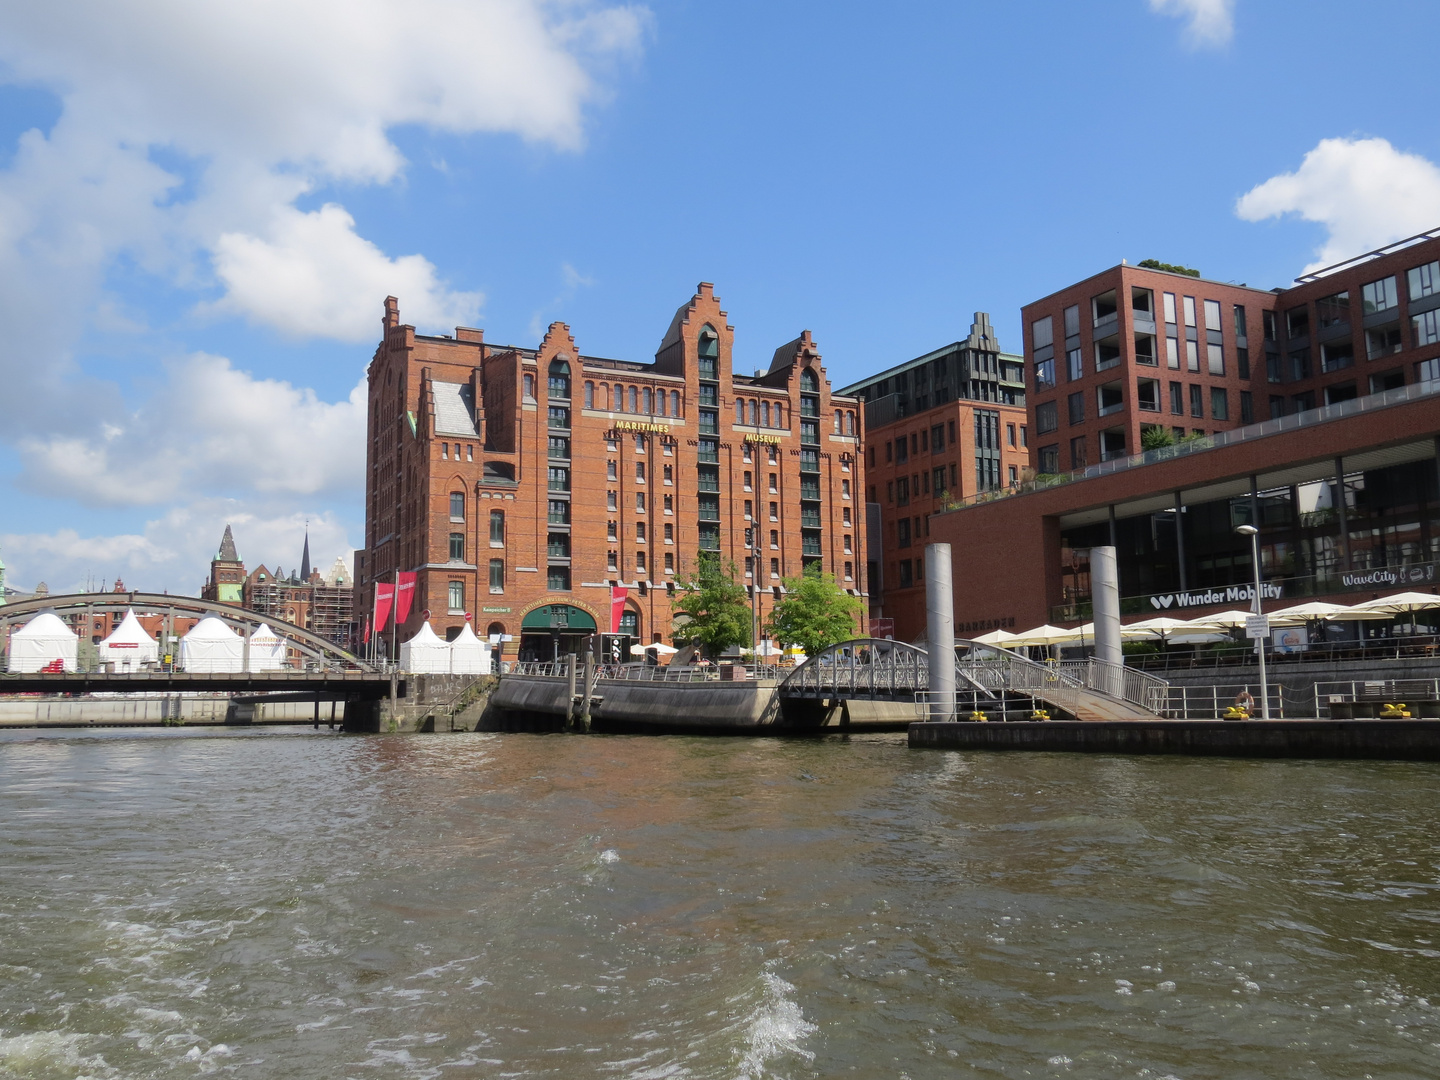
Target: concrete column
1105, 597
1180, 540
1344, 513
940, 630
1114, 537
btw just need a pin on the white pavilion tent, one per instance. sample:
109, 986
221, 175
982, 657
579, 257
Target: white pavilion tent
211, 646
468, 654
425, 653
267, 649
42, 641
129, 647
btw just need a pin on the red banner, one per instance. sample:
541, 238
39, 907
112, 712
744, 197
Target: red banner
365, 637
384, 597
618, 593
404, 596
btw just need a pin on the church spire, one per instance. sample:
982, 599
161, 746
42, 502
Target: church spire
305, 558
227, 548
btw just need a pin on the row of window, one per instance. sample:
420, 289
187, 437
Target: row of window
1375, 297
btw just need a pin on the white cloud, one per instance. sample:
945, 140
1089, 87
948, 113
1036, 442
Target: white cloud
1364, 191
316, 276
1209, 23
211, 428
173, 551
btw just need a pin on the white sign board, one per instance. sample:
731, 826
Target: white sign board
1257, 627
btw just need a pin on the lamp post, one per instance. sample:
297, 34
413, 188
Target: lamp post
755, 592
1254, 534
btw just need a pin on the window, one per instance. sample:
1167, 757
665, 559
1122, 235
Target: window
639, 502
557, 416
1049, 458
669, 504
444, 451
1074, 364
558, 479
937, 438
902, 450
1042, 332
1197, 401
1379, 295
1425, 328
529, 387
1212, 315
1103, 306
774, 539
1240, 321
497, 575
845, 545
1427, 370
1382, 341
1109, 399
902, 491
612, 530
749, 507
849, 571
845, 516
1107, 353
1078, 458
1147, 395
1333, 310
457, 547
612, 560
1189, 303
612, 470
469, 452
1077, 412
1024, 435
674, 402
1247, 407
1014, 477
634, 399
772, 454
670, 562
1142, 302
558, 448
1172, 353
1299, 364
559, 379
1169, 301
1219, 403
558, 512
902, 532
1177, 398
1010, 434
456, 598
774, 511
845, 490
1242, 362
639, 472
640, 532
1215, 355
1046, 419
907, 576
774, 568
951, 426
774, 484
612, 500
589, 395
1297, 322
1424, 280
612, 446
557, 578
939, 484
1072, 320
669, 474
639, 444
457, 506
1192, 356
1335, 355
640, 562
669, 533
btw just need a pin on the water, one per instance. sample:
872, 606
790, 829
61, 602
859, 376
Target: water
175, 904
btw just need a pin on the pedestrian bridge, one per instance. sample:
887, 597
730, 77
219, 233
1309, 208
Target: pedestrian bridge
874, 669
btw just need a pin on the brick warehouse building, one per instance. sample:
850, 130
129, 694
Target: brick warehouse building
939, 428
1133, 348
521, 485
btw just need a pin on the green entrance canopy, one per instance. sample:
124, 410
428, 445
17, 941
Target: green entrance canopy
565, 617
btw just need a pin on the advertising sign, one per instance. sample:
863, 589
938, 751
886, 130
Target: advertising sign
1221, 594
1257, 627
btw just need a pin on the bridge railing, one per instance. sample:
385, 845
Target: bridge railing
645, 673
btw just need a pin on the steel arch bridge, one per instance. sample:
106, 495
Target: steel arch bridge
237, 618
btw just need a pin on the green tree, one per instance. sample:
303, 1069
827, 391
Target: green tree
716, 611
1156, 264
815, 613
1154, 437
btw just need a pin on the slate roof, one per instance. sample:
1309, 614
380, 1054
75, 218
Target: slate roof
455, 409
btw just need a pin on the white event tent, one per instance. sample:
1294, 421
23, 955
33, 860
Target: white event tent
267, 649
41, 642
425, 654
211, 646
468, 654
129, 647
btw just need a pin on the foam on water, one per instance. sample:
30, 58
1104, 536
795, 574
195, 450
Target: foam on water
43, 1055
775, 1029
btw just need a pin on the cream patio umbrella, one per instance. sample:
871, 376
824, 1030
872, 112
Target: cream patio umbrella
1046, 635
1001, 638
1389, 607
1161, 627
1221, 620
1308, 612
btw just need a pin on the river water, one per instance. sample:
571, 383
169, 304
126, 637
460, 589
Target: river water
263, 904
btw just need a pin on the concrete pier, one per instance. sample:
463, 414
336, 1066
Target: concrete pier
1407, 740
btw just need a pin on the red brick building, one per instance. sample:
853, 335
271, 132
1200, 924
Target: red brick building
522, 485
1133, 348
943, 427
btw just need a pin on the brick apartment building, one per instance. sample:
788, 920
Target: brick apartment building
524, 485
942, 427
1134, 348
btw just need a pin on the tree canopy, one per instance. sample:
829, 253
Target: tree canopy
715, 609
815, 613
1174, 268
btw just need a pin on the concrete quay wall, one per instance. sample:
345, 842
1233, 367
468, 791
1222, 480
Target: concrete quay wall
1410, 740
155, 709
698, 706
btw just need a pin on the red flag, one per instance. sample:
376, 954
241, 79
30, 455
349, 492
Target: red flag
618, 593
384, 597
365, 638
404, 596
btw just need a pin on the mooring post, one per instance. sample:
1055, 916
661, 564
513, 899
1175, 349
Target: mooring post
317, 712
587, 688
940, 631
394, 679
571, 709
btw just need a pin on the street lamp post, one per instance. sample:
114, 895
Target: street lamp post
1254, 534
755, 592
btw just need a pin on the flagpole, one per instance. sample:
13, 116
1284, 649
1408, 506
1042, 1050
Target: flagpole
394, 621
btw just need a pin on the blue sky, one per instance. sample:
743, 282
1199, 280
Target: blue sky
201, 210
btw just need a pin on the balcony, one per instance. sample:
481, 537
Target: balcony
810, 432
809, 519
708, 453
809, 461
710, 512
709, 538
1110, 399
709, 422
809, 406
709, 394
809, 489
810, 545
708, 480
708, 367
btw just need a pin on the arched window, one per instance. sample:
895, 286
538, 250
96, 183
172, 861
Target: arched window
663, 399
739, 410
837, 421
495, 629
529, 387
630, 622
809, 382
709, 342
634, 400
559, 385
849, 422
765, 413
619, 398
649, 400
674, 402
589, 394
604, 396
